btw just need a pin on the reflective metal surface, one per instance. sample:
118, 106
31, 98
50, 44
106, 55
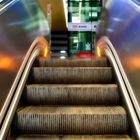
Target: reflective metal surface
15, 101
20, 23
120, 22
128, 97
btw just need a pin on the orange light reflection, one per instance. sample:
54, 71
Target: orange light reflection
46, 52
7, 63
98, 52
132, 63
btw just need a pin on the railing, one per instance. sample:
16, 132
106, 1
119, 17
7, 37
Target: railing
37, 48
129, 98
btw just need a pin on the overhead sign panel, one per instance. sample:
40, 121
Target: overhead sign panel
82, 26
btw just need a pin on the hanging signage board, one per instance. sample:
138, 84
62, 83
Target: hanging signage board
86, 26
79, 26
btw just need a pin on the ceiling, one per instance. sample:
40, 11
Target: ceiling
58, 14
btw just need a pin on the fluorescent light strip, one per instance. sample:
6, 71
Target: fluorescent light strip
62, 51
62, 57
65, 4
134, 5
2, 9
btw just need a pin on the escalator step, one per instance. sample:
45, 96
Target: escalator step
59, 42
70, 120
72, 94
74, 137
72, 75
98, 62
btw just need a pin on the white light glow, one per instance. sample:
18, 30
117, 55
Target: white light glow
63, 51
75, 19
117, 19
110, 30
62, 57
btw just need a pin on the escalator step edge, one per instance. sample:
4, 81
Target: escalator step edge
74, 137
98, 62
68, 94
72, 75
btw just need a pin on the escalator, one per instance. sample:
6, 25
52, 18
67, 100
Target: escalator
69, 100
59, 43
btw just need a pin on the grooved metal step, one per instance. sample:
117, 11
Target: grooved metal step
71, 100
57, 94
71, 120
56, 49
98, 62
59, 37
72, 75
59, 42
74, 137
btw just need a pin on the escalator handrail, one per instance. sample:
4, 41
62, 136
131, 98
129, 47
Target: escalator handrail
11, 102
132, 105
